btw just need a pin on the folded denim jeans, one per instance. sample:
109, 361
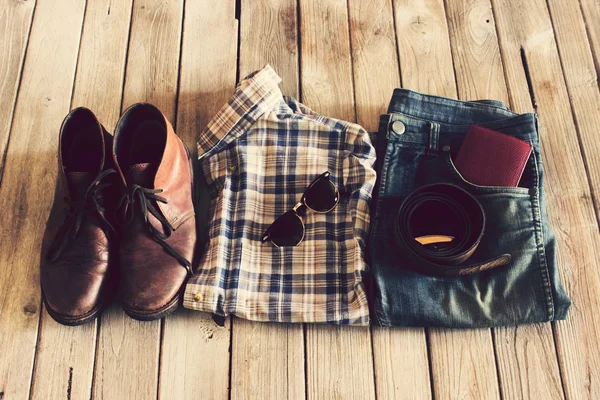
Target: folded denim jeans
416, 143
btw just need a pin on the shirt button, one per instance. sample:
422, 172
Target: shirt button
232, 168
398, 127
198, 297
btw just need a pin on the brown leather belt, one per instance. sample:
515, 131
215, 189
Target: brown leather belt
447, 210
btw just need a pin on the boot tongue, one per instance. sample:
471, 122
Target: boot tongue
79, 182
141, 174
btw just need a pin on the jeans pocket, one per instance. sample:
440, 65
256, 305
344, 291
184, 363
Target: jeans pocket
529, 170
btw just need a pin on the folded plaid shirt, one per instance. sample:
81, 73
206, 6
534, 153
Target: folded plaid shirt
259, 154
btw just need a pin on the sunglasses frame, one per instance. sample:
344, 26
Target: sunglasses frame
302, 203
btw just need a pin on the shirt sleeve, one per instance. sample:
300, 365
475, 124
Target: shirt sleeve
359, 179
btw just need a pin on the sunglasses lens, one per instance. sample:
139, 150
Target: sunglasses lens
287, 230
322, 196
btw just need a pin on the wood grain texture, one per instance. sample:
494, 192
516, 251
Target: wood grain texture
208, 65
462, 364
427, 66
525, 356
570, 206
591, 16
15, 23
339, 360
64, 360
268, 359
399, 355
582, 87
195, 357
127, 357
475, 51
101, 65
339, 363
153, 55
374, 59
65, 355
401, 363
326, 70
424, 47
527, 364
195, 350
582, 84
269, 35
29, 176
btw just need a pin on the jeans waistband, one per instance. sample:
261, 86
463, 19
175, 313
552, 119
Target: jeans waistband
420, 113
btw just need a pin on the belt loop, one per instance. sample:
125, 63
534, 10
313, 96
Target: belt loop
434, 138
384, 125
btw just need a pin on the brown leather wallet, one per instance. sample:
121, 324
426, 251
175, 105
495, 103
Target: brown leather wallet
448, 210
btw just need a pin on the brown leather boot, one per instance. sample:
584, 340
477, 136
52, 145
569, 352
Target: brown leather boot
76, 276
159, 234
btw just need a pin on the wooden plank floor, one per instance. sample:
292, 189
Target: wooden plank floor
342, 58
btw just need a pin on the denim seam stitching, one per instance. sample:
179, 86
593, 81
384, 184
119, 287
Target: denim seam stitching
461, 103
379, 318
539, 236
400, 113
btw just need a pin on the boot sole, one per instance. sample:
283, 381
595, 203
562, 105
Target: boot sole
69, 320
152, 315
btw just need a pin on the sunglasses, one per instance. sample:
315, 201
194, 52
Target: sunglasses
288, 230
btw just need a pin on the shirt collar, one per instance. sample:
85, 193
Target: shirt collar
255, 95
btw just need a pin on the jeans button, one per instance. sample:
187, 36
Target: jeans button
398, 127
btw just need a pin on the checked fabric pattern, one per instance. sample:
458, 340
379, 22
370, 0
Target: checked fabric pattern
258, 155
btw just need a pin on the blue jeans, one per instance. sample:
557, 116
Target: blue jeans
418, 150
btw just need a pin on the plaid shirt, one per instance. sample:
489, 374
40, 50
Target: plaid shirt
259, 154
